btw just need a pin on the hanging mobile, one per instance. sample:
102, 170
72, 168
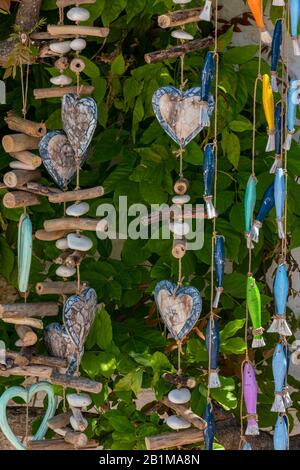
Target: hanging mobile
266, 205
269, 109
275, 54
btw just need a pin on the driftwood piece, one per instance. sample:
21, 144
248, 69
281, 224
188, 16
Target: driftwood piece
177, 51
42, 372
26, 321
44, 236
37, 309
80, 195
16, 178
21, 359
59, 288
38, 188
19, 142
79, 383
27, 336
77, 30
173, 439
18, 124
16, 199
179, 17
58, 444
60, 421
58, 92
68, 3
77, 439
28, 158
175, 379
72, 223
187, 414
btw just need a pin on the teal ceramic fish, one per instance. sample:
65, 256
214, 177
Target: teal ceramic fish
24, 252
249, 205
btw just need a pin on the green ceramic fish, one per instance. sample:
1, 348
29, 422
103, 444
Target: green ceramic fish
254, 307
24, 252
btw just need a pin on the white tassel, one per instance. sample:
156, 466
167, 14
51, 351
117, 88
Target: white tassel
217, 297
252, 430
296, 46
288, 141
278, 3
287, 399
205, 15
255, 231
204, 120
280, 326
214, 381
271, 142
278, 404
274, 82
258, 343
211, 211
281, 234
266, 37
277, 164
250, 245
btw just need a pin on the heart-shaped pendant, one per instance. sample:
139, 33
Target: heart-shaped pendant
79, 117
179, 112
59, 157
26, 394
24, 251
179, 307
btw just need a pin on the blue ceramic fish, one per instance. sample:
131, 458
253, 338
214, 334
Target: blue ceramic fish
219, 263
294, 18
212, 340
281, 291
249, 205
24, 252
266, 205
208, 176
275, 54
279, 366
206, 83
279, 127
209, 432
280, 196
247, 446
293, 102
281, 433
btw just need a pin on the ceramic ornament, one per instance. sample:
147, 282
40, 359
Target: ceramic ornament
269, 110
294, 19
209, 432
281, 291
256, 9
275, 53
179, 396
293, 103
266, 205
207, 76
205, 15
278, 3
177, 423
24, 252
254, 308
79, 242
61, 80
78, 209
208, 177
247, 446
281, 433
212, 341
249, 205
61, 48
219, 265
183, 35
279, 365
65, 271
78, 14
279, 127
250, 391
280, 197
62, 244
78, 44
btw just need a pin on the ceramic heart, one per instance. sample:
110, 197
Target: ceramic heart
180, 308
59, 344
179, 112
79, 117
26, 394
59, 157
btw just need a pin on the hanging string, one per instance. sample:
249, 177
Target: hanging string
24, 87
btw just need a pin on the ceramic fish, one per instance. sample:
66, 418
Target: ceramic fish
269, 109
281, 291
279, 365
280, 196
208, 176
294, 18
279, 127
275, 54
249, 205
254, 307
206, 83
247, 446
250, 398
205, 15
293, 102
266, 205
212, 339
219, 263
281, 433
209, 432
256, 9
24, 252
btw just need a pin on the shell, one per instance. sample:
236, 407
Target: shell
184, 199
179, 396
79, 242
78, 400
75, 426
16, 165
76, 210
64, 271
62, 244
61, 80
78, 14
60, 47
179, 34
176, 422
78, 44
180, 229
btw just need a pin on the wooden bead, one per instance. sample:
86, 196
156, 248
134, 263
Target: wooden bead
77, 65
61, 64
181, 186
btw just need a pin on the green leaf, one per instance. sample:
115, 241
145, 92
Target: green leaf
134, 8
240, 55
231, 147
120, 422
95, 364
112, 10
118, 65
91, 70
225, 39
231, 328
193, 154
7, 258
132, 381
235, 285
54, 120
233, 346
101, 332
240, 126
226, 394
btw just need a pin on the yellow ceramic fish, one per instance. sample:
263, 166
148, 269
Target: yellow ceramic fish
268, 103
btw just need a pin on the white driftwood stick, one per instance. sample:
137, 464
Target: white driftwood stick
16, 178
19, 142
44, 236
80, 195
58, 92
68, 3
37, 309
41, 372
179, 18
27, 336
21, 360
58, 444
28, 158
18, 124
33, 322
59, 288
173, 439
72, 223
57, 30
79, 383
60, 421
16, 199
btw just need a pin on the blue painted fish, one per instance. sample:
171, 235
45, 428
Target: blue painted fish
275, 54
295, 16
281, 291
279, 366
249, 205
206, 83
281, 433
280, 196
212, 340
279, 127
219, 263
208, 177
293, 102
209, 432
24, 252
266, 205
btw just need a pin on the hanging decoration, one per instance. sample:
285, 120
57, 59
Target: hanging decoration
268, 104
257, 11
275, 54
294, 18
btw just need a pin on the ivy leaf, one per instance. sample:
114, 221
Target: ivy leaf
225, 39
240, 55
132, 381
235, 285
112, 10
118, 65
231, 328
233, 346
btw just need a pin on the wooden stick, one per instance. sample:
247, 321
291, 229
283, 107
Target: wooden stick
79, 383
18, 199
41, 372
179, 17
68, 3
175, 379
80, 195
15, 178
58, 444
38, 188
37, 309
187, 414
77, 439
34, 322
18, 124
173, 439
28, 158
59, 287
50, 236
21, 359
58, 92
60, 421
19, 142
45, 36
77, 30
72, 223
27, 336
177, 51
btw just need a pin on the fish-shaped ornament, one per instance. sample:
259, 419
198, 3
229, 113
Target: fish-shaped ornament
293, 102
281, 433
205, 14
219, 263
208, 177
209, 432
254, 307
269, 109
246, 446
281, 291
280, 196
250, 398
212, 341
279, 366
256, 9
295, 16
276, 46
249, 205
24, 252
279, 127
266, 205
206, 83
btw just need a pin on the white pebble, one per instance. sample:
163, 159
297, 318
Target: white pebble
76, 210
179, 34
78, 400
75, 426
181, 2
62, 244
184, 199
16, 165
64, 271
79, 242
179, 396
60, 47
61, 80
78, 44
78, 14
180, 229
176, 422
